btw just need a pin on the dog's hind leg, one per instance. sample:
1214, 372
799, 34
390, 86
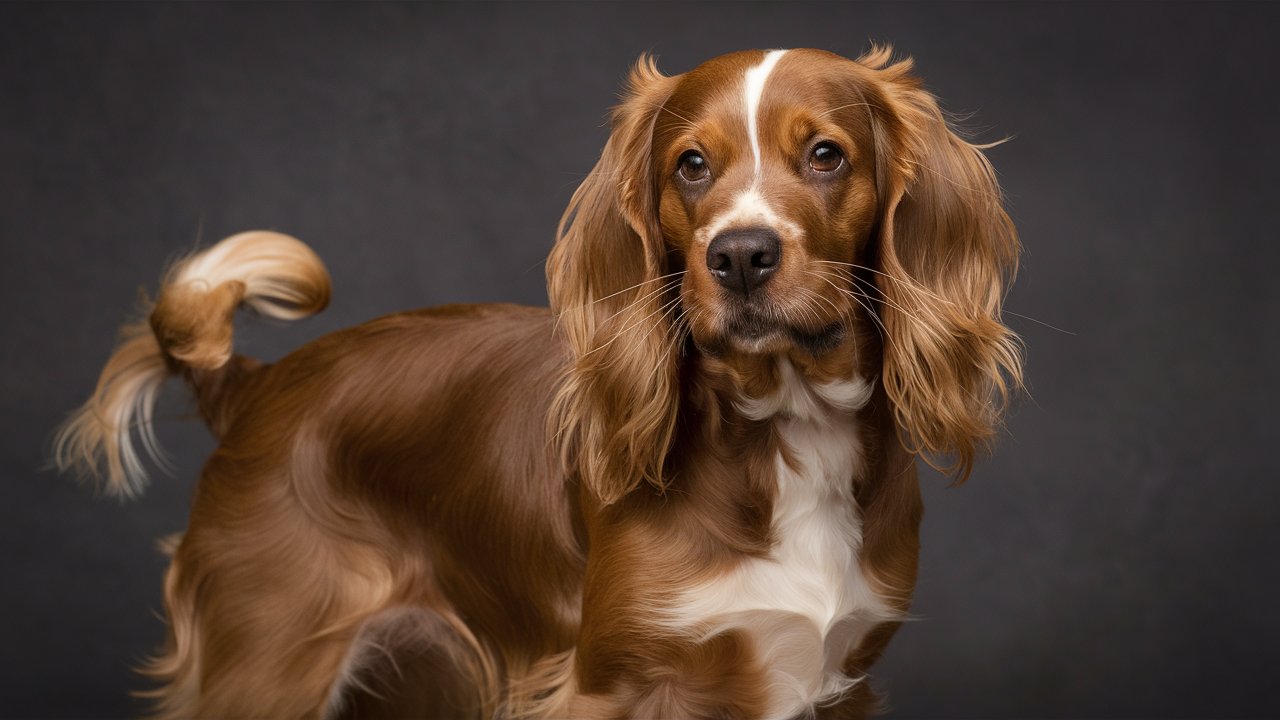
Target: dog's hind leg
414, 662
265, 595
258, 637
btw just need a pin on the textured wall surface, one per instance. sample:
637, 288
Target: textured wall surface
1117, 558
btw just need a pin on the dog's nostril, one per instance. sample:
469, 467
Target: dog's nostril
719, 262
764, 259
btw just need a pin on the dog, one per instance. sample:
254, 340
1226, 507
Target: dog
686, 489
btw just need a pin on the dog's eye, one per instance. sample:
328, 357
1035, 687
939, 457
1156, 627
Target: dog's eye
693, 167
825, 158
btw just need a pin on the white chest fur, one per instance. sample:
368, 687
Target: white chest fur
807, 605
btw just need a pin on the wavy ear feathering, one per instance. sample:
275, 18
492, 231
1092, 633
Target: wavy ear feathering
947, 250
608, 285
189, 330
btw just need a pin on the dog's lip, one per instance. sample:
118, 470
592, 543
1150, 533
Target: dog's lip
751, 332
751, 324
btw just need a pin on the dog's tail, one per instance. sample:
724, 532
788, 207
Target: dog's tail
189, 332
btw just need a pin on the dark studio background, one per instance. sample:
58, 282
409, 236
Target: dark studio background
1116, 558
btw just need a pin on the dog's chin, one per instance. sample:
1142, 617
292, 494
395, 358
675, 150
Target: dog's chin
754, 336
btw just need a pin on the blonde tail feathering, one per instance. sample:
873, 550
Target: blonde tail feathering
190, 327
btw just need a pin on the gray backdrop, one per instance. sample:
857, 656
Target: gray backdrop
1115, 559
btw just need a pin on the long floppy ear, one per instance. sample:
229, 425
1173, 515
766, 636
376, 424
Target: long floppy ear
947, 251
615, 412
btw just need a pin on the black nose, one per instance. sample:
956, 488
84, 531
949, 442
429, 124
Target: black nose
742, 260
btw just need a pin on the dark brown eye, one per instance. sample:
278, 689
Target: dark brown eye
693, 167
825, 158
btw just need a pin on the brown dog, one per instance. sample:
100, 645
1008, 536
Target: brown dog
686, 490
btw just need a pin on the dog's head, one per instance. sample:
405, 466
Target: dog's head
768, 204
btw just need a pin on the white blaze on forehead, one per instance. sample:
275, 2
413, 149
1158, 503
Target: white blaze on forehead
749, 208
753, 89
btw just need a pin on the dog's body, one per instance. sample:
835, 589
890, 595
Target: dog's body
670, 498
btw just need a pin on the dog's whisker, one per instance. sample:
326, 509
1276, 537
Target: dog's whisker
639, 300
1038, 322
818, 296
885, 299
628, 328
875, 317
619, 292
906, 283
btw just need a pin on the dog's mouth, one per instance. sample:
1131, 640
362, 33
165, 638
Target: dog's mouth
749, 330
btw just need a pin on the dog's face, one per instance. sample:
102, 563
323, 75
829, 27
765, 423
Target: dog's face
780, 203
765, 175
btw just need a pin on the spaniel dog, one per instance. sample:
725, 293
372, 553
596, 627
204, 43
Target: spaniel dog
687, 489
